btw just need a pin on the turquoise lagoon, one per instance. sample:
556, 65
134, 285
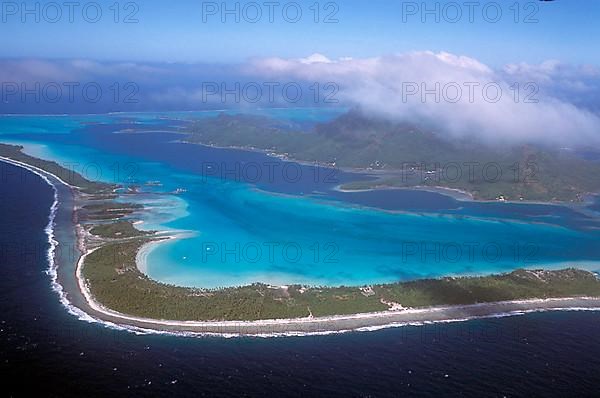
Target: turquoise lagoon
235, 230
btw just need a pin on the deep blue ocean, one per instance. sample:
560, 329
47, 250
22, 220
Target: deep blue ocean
246, 217
45, 350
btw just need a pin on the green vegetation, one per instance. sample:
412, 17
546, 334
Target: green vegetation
107, 210
118, 230
245, 131
71, 177
116, 282
519, 284
411, 156
102, 196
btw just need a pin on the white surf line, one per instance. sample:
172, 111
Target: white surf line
52, 270
38, 171
259, 323
335, 318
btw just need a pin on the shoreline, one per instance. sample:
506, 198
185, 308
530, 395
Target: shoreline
458, 194
141, 257
94, 311
454, 193
359, 322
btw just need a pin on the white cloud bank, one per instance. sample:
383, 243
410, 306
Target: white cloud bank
566, 112
473, 100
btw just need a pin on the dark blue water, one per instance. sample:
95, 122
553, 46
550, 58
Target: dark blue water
371, 246
161, 145
44, 349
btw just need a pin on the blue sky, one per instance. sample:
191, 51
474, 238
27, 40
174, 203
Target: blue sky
369, 51
175, 32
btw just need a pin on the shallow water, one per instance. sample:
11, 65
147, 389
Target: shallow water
42, 346
248, 217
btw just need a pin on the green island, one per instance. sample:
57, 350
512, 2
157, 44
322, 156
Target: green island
117, 229
115, 281
111, 274
403, 156
94, 189
107, 210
